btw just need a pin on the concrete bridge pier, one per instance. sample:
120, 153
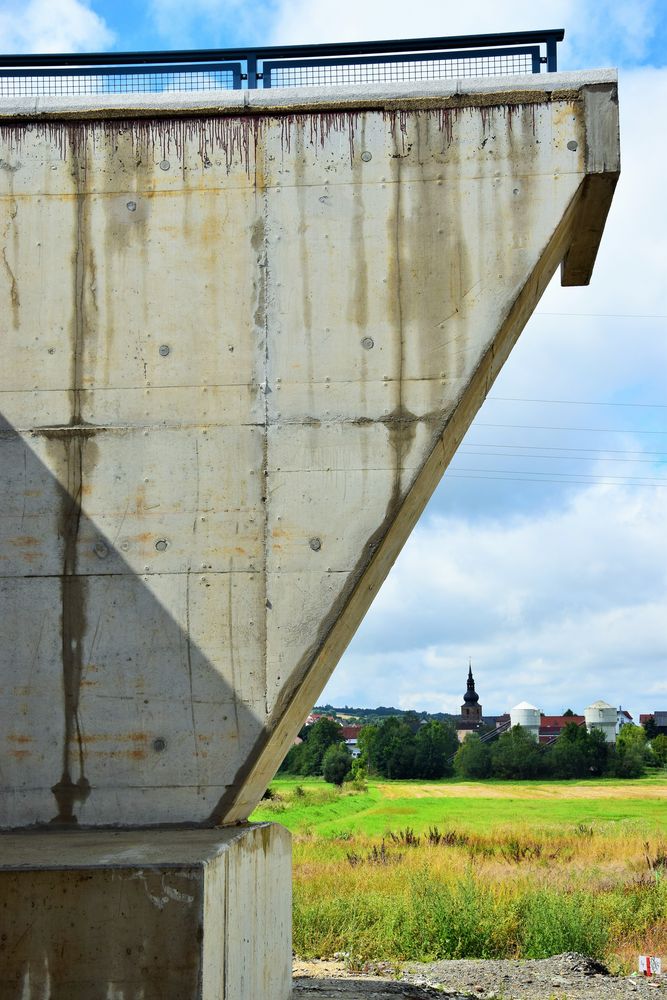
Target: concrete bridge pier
92, 915
243, 335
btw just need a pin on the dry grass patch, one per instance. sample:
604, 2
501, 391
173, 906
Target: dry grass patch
516, 790
516, 895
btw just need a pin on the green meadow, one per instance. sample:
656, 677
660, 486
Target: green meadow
479, 807
401, 870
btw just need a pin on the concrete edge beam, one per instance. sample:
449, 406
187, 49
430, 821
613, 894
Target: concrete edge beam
603, 167
460, 92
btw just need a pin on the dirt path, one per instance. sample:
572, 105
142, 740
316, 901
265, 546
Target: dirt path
564, 977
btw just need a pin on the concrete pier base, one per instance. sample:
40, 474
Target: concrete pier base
146, 914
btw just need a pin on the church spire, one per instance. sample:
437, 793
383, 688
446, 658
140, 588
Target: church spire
471, 710
471, 695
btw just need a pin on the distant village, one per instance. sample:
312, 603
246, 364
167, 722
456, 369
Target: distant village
521, 743
544, 728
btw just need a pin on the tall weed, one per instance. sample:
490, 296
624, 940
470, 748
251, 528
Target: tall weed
425, 891
551, 922
450, 919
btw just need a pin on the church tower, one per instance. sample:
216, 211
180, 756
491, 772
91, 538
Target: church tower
471, 710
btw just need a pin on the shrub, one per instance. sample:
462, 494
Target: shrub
435, 743
336, 764
659, 747
578, 753
516, 755
473, 759
628, 761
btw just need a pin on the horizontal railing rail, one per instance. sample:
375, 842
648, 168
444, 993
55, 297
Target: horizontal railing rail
280, 65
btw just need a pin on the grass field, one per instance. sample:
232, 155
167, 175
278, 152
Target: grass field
471, 806
425, 870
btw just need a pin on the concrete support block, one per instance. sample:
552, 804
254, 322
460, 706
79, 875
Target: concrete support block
146, 915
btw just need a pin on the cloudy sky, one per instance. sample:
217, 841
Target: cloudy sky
543, 554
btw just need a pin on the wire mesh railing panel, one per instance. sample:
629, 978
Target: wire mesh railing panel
446, 66
355, 63
16, 83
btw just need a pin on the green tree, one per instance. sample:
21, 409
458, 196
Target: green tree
598, 752
577, 753
567, 757
412, 720
358, 770
631, 736
435, 743
336, 764
323, 734
568, 712
366, 745
632, 753
473, 759
293, 760
516, 755
649, 727
659, 747
392, 752
627, 762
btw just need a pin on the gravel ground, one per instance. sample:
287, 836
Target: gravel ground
564, 977
351, 989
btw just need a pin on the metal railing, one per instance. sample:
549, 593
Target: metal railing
356, 63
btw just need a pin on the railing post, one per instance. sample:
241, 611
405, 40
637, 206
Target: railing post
551, 55
251, 63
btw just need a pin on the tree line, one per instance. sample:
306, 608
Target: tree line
577, 753
406, 748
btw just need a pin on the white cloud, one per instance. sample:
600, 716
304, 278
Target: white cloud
212, 23
321, 21
52, 26
596, 32
614, 31
437, 701
559, 594
562, 608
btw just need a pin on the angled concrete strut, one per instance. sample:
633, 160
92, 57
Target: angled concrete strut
243, 337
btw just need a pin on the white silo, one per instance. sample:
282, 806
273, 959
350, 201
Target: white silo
601, 715
528, 717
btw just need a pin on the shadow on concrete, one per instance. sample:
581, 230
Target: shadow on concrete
111, 714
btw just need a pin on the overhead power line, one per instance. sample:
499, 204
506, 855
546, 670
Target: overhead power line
653, 480
565, 447
591, 430
573, 402
606, 315
558, 482
555, 458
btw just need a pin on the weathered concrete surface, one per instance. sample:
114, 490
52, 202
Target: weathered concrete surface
146, 915
243, 337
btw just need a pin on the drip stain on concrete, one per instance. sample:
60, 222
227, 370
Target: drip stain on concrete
236, 138
70, 789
